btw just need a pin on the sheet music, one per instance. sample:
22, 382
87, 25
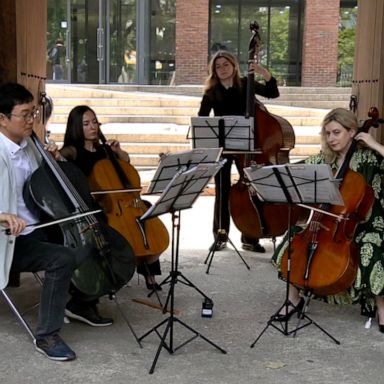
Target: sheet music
171, 163
304, 183
184, 188
238, 132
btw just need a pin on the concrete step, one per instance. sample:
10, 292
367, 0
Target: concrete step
144, 142
136, 101
147, 121
172, 119
132, 111
321, 104
310, 97
126, 119
197, 90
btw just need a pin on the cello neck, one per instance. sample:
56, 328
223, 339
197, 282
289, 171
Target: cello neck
254, 45
114, 161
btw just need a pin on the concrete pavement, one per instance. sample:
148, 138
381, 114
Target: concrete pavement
243, 302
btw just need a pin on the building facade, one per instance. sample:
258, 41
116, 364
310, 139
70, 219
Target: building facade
169, 42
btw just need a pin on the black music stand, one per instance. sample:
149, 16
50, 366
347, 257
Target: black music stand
171, 165
294, 184
181, 193
235, 134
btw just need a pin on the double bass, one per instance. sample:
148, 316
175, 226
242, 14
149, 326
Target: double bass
324, 257
124, 206
59, 189
273, 139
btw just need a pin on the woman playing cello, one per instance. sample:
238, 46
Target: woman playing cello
339, 129
82, 147
226, 94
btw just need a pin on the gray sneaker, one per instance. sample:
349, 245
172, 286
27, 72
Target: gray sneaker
54, 348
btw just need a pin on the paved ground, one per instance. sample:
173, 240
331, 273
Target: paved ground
243, 302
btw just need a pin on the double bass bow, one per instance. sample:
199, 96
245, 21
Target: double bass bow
104, 257
273, 139
324, 256
124, 206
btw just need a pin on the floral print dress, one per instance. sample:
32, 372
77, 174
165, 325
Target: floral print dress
369, 236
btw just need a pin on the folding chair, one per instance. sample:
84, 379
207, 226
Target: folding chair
15, 310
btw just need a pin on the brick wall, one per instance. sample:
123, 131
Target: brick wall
320, 43
191, 41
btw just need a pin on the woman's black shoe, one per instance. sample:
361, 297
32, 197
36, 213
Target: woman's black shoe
218, 246
153, 287
381, 328
298, 309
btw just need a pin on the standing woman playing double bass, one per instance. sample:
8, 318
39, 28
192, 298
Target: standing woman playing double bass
82, 146
225, 93
339, 129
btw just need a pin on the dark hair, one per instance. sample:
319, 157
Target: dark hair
12, 94
74, 132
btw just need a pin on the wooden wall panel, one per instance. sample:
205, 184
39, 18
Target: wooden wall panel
8, 55
23, 29
368, 76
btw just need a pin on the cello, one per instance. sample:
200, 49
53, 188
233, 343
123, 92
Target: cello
104, 257
324, 256
273, 139
124, 206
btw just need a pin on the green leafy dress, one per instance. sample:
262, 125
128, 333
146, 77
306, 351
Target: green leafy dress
369, 236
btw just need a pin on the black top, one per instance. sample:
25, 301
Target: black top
232, 101
85, 159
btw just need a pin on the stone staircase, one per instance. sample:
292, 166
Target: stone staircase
150, 120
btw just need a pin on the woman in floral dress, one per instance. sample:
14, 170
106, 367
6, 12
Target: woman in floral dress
339, 128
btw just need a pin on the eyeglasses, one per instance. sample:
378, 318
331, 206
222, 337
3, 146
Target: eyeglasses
27, 117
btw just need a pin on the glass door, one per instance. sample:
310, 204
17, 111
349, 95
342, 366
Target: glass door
98, 39
103, 41
121, 41
86, 41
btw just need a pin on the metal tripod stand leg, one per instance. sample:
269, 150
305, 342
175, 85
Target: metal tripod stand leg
276, 317
302, 315
282, 325
113, 297
154, 291
169, 331
172, 319
177, 276
221, 234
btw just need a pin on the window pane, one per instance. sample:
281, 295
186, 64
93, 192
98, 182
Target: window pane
57, 32
346, 50
162, 46
280, 27
122, 41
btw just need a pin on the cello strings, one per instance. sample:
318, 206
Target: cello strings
73, 195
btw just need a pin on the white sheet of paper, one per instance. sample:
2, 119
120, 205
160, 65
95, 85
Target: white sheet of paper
172, 162
305, 183
238, 132
184, 188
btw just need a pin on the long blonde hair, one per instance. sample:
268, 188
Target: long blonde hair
345, 118
212, 79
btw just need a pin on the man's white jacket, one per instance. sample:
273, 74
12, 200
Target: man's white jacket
8, 204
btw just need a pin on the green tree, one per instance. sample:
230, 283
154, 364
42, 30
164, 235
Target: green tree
346, 47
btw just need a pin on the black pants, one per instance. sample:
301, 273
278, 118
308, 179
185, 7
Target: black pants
222, 216
153, 269
34, 254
